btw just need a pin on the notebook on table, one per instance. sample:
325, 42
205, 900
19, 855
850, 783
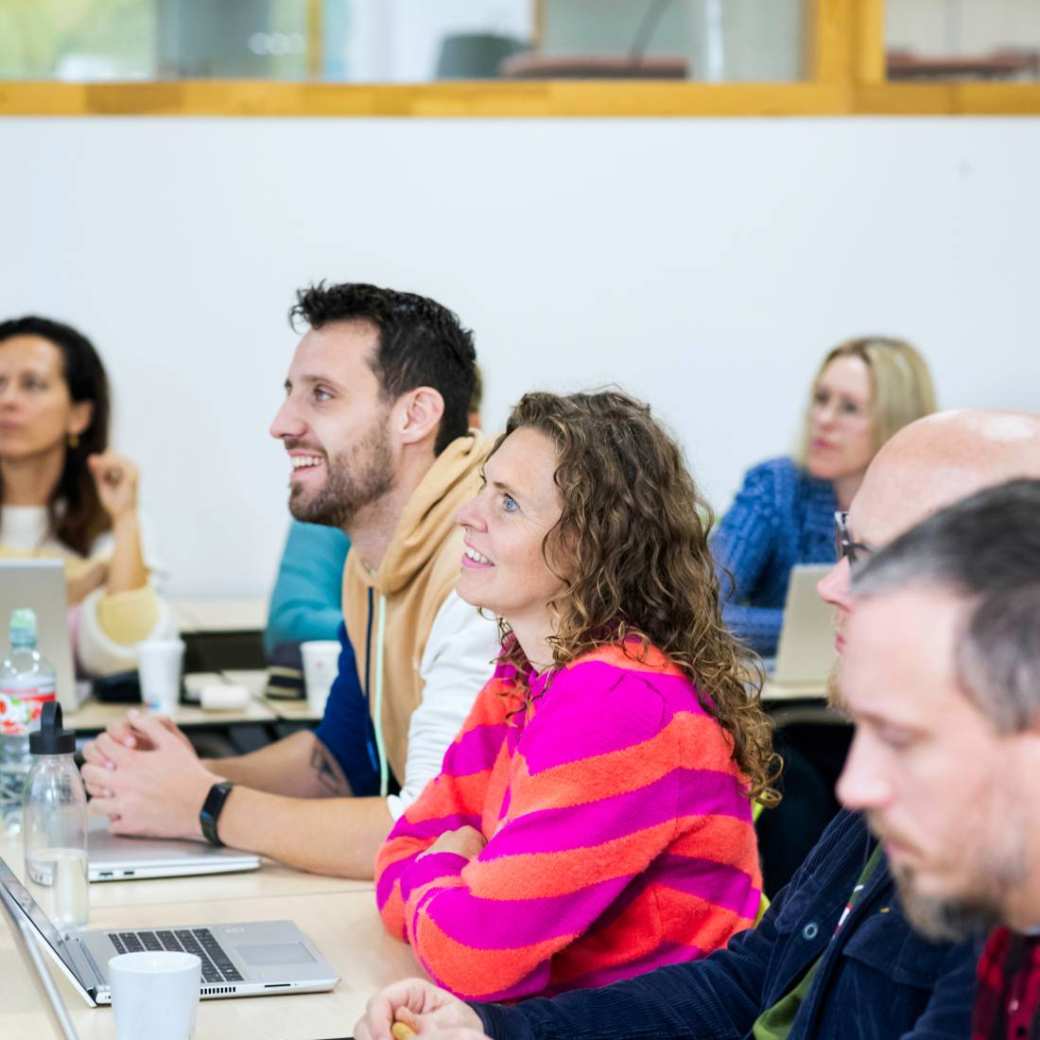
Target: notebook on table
258, 958
114, 857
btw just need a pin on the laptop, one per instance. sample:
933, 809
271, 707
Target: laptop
40, 584
25, 942
261, 958
805, 655
114, 857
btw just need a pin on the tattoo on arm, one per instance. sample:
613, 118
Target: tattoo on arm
327, 769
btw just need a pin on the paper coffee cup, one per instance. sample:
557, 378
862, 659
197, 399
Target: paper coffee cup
159, 671
155, 994
320, 666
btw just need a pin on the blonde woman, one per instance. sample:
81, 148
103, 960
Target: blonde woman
864, 391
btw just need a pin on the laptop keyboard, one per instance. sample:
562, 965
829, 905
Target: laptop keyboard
216, 965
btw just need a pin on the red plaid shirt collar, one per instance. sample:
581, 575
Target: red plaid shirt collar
1007, 1005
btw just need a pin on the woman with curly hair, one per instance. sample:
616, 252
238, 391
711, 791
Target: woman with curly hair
592, 820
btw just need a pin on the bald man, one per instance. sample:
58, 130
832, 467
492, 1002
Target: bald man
925, 467
834, 958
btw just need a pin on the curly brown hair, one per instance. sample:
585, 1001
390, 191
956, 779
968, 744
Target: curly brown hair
634, 532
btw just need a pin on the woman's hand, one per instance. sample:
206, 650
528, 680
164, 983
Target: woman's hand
116, 479
91, 576
466, 841
421, 1006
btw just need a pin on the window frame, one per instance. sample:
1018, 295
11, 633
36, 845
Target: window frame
846, 63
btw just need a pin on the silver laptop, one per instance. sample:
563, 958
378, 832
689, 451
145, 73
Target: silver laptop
40, 584
805, 655
113, 857
262, 958
25, 942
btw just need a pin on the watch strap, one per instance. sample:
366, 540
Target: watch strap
211, 810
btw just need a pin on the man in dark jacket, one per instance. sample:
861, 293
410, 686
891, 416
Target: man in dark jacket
834, 958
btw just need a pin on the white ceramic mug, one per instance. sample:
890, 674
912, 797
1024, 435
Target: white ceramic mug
159, 671
320, 665
155, 994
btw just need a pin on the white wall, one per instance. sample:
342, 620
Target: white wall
703, 264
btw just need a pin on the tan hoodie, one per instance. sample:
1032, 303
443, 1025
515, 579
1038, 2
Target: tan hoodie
420, 568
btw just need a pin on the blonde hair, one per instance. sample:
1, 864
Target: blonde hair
901, 388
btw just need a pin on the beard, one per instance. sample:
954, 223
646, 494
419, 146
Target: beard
994, 872
833, 685
354, 480
947, 920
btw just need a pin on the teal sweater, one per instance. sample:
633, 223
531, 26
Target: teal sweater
307, 599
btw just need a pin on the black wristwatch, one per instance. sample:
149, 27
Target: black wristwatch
211, 810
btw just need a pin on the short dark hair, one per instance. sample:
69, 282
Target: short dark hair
421, 343
984, 549
75, 511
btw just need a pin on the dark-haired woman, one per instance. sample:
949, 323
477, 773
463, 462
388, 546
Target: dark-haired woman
64, 494
592, 820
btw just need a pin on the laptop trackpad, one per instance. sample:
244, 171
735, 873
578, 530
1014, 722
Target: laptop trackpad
266, 955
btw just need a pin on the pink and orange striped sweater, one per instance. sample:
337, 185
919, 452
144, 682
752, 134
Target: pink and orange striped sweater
619, 835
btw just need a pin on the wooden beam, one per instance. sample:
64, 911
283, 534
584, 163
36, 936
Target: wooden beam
315, 40
533, 99
830, 41
869, 41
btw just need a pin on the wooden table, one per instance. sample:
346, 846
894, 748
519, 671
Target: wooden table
340, 916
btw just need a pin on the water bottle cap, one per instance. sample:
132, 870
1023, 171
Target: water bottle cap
23, 626
50, 738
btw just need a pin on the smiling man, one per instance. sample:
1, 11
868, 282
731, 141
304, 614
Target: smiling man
942, 677
374, 424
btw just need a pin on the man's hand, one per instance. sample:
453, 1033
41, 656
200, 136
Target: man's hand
156, 792
423, 1007
466, 841
123, 734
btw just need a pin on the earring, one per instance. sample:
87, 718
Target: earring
73, 440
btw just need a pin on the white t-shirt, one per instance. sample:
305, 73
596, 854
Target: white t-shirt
457, 662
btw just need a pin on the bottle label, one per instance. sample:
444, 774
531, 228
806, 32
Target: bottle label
21, 706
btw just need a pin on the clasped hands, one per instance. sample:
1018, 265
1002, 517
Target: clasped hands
143, 774
465, 841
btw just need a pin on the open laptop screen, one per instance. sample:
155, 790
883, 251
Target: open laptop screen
40, 921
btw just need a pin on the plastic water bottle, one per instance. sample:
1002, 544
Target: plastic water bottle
55, 824
27, 683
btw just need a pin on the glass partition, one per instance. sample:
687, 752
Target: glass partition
963, 40
404, 41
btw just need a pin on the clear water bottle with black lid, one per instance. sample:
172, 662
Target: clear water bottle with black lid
54, 828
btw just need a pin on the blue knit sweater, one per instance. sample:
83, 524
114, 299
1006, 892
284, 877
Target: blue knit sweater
780, 517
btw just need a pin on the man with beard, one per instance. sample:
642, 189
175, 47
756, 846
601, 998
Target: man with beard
374, 424
951, 612
834, 958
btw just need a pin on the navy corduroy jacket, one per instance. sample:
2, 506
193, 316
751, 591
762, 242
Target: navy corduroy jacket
876, 980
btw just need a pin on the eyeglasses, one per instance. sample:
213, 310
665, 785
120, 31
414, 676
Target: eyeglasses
847, 548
